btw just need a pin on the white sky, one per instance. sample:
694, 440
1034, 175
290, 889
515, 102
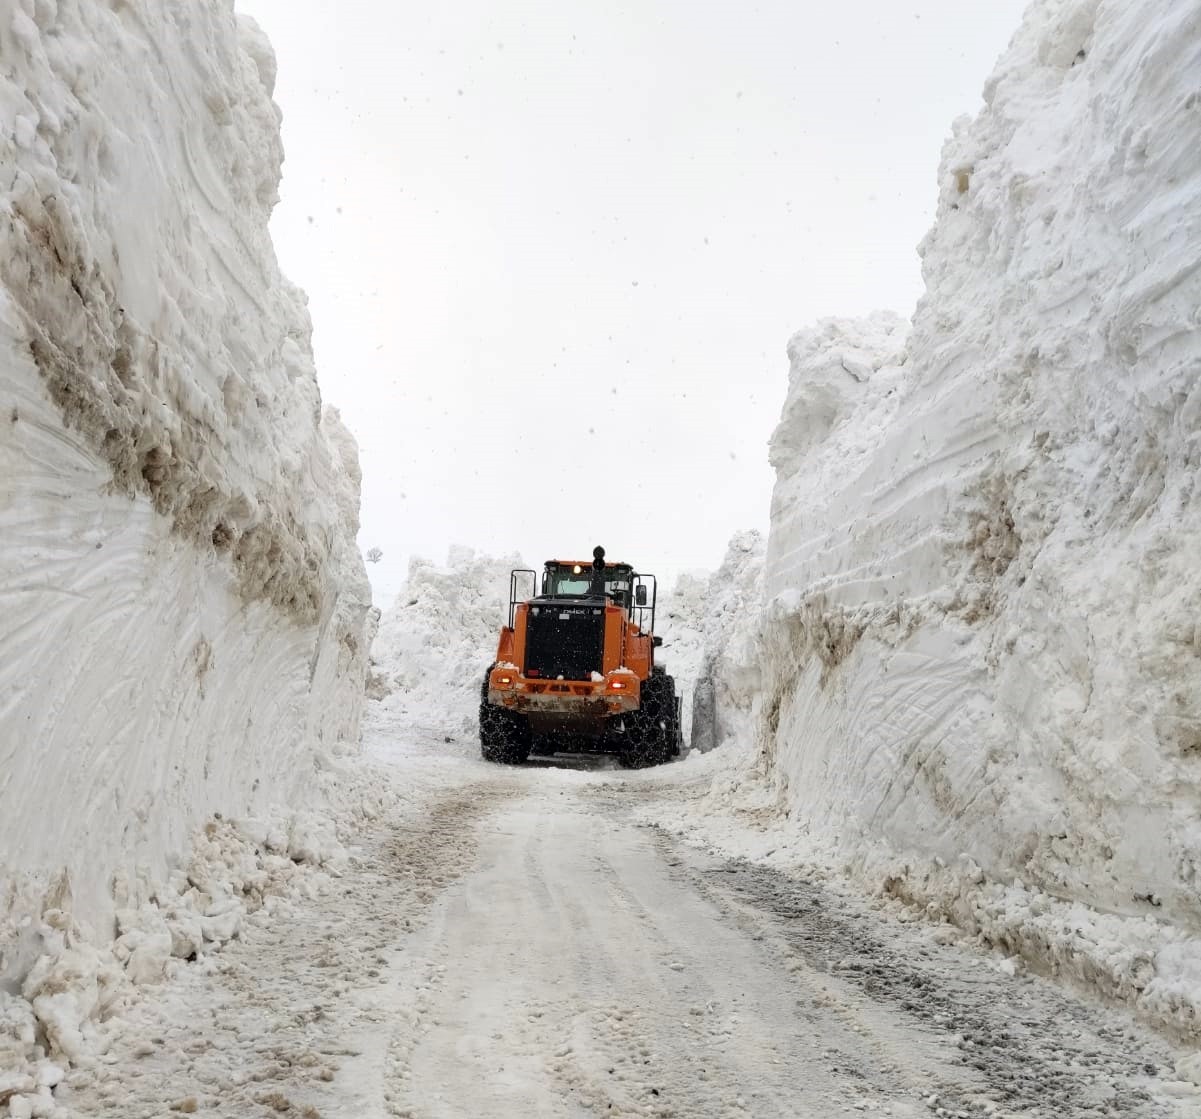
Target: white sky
554, 251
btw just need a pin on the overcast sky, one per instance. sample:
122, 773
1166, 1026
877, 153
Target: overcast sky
554, 251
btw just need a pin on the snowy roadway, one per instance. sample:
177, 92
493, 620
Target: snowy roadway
512, 943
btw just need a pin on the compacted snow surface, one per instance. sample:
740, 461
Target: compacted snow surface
516, 942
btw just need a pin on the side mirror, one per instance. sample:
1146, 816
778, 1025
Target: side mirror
640, 594
657, 642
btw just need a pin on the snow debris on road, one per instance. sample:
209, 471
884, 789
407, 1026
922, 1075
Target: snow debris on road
509, 941
283, 1016
79, 995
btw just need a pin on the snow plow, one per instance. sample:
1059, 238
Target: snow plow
575, 668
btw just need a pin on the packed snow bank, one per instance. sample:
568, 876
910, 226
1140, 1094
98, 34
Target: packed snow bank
439, 638
680, 620
728, 685
710, 632
981, 666
185, 610
254, 871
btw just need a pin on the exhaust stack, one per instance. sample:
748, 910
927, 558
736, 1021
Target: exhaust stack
597, 589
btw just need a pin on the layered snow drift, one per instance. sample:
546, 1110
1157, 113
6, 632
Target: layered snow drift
981, 659
438, 639
185, 611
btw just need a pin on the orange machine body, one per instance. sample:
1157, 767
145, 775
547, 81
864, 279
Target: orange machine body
581, 705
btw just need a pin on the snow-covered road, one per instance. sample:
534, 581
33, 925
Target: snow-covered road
512, 943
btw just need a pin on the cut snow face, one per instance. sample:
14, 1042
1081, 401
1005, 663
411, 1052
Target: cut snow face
727, 676
186, 612
198, 397
979, 679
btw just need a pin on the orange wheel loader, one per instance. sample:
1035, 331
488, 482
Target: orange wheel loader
575, 668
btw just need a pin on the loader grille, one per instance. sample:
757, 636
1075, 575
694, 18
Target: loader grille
563, 640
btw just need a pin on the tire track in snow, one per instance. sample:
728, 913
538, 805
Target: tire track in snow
1030, 1048
517, 946
576, 972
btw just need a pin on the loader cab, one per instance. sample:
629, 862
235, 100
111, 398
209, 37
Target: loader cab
616, 584
570, 579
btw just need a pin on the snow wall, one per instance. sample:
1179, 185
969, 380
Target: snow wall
437, 641
714, 620
980, 670
184, 608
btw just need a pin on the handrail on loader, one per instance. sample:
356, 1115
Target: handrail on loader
639, 609
513, 597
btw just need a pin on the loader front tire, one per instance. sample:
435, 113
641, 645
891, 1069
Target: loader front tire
504, 735
652, 732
